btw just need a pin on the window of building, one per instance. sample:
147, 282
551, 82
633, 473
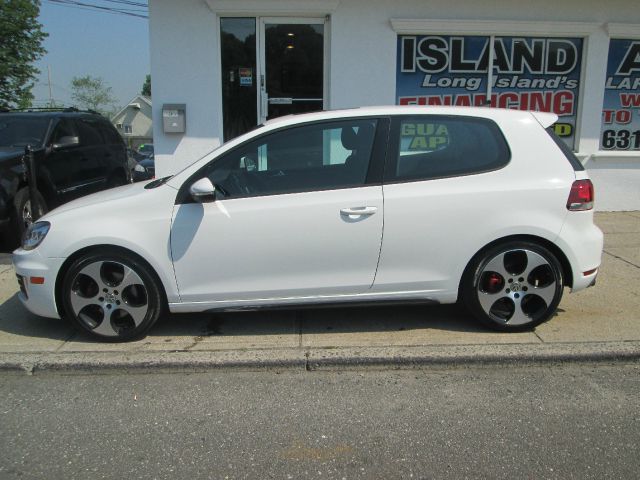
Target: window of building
127, 129
526, 73
621, 107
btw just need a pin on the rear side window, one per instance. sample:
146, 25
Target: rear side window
568, 153
444, 146
109, 133
88, 133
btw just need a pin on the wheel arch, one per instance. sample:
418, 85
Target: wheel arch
101, 248
567, 271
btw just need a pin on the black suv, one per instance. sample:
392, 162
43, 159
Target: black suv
75, 153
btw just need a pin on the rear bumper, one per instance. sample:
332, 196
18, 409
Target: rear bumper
582, 242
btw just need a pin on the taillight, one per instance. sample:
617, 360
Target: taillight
581, 196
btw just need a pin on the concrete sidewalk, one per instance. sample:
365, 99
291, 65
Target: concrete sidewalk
598, 323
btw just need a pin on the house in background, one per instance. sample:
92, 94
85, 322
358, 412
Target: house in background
134, 122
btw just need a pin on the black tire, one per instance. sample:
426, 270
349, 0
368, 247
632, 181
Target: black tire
21, 215
513, 286
114, 287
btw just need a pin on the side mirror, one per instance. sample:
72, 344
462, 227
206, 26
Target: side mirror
65, 142
202, 190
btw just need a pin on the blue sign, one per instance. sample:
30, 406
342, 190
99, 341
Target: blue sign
621, 108
527, 73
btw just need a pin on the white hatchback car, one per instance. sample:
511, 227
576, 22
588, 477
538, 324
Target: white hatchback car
356, 206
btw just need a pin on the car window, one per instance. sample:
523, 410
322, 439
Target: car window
109, 134
441, 146
312, 157
88, 133
20, 130
63, 128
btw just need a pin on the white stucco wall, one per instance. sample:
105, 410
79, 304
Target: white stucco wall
362, 53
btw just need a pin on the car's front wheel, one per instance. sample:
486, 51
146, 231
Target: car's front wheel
514, 286
112, 296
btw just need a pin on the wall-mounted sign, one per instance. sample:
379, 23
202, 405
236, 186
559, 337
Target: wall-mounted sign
528, 73
621, 108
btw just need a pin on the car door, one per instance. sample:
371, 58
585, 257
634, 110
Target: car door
297, 213
91, 176
62, 163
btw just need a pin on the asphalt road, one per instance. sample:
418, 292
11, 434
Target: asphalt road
554, 421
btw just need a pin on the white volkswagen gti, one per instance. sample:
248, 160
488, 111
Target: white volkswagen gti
428, 204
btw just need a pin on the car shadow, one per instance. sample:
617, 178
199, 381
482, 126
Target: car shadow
17, 321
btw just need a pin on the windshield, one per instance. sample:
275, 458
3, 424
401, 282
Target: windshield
20, 131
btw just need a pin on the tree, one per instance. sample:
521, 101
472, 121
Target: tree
92, 93
146, 87
21, 40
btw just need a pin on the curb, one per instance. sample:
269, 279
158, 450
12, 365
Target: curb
317, 359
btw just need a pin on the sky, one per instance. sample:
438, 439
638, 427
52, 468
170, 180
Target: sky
88, 42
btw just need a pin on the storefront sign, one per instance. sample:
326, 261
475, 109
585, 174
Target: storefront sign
528, 73
621, 108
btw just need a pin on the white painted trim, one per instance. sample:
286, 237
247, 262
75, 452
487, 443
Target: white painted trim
623, 30
488, 27
256, 8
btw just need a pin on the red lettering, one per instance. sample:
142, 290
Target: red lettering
541, 101
508, 100
607, 116
628, 100
463, 100
563, 102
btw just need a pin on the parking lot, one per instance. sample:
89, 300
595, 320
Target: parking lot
598, 321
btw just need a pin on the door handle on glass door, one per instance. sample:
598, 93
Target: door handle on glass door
358, 211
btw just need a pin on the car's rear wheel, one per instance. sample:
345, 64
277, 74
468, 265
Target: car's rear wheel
514, 286
112, 296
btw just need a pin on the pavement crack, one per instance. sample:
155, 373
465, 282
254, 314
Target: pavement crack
622, 259
307, 366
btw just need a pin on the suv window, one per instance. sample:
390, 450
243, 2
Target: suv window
88, 133
63, 128
109, 134
20, 130
313, 157
443, 146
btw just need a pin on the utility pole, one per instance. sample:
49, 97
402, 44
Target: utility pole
50, 93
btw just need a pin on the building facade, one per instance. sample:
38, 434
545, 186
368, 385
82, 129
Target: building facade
227, 66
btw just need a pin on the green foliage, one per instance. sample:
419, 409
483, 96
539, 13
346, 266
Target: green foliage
146, 87
21, 38
91, 93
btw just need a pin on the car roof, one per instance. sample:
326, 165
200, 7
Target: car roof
51, 114
391, 110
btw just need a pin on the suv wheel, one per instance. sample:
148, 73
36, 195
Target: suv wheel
514, 286
23, 212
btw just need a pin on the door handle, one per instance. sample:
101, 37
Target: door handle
358, 211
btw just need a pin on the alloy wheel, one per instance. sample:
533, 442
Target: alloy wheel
517, 287
109, 298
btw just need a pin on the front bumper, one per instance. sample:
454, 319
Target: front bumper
38, 296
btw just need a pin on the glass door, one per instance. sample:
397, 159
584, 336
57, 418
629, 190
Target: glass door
270, 67
292, 66
239, 76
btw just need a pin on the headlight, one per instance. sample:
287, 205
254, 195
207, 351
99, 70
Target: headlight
34, 235
140, 168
